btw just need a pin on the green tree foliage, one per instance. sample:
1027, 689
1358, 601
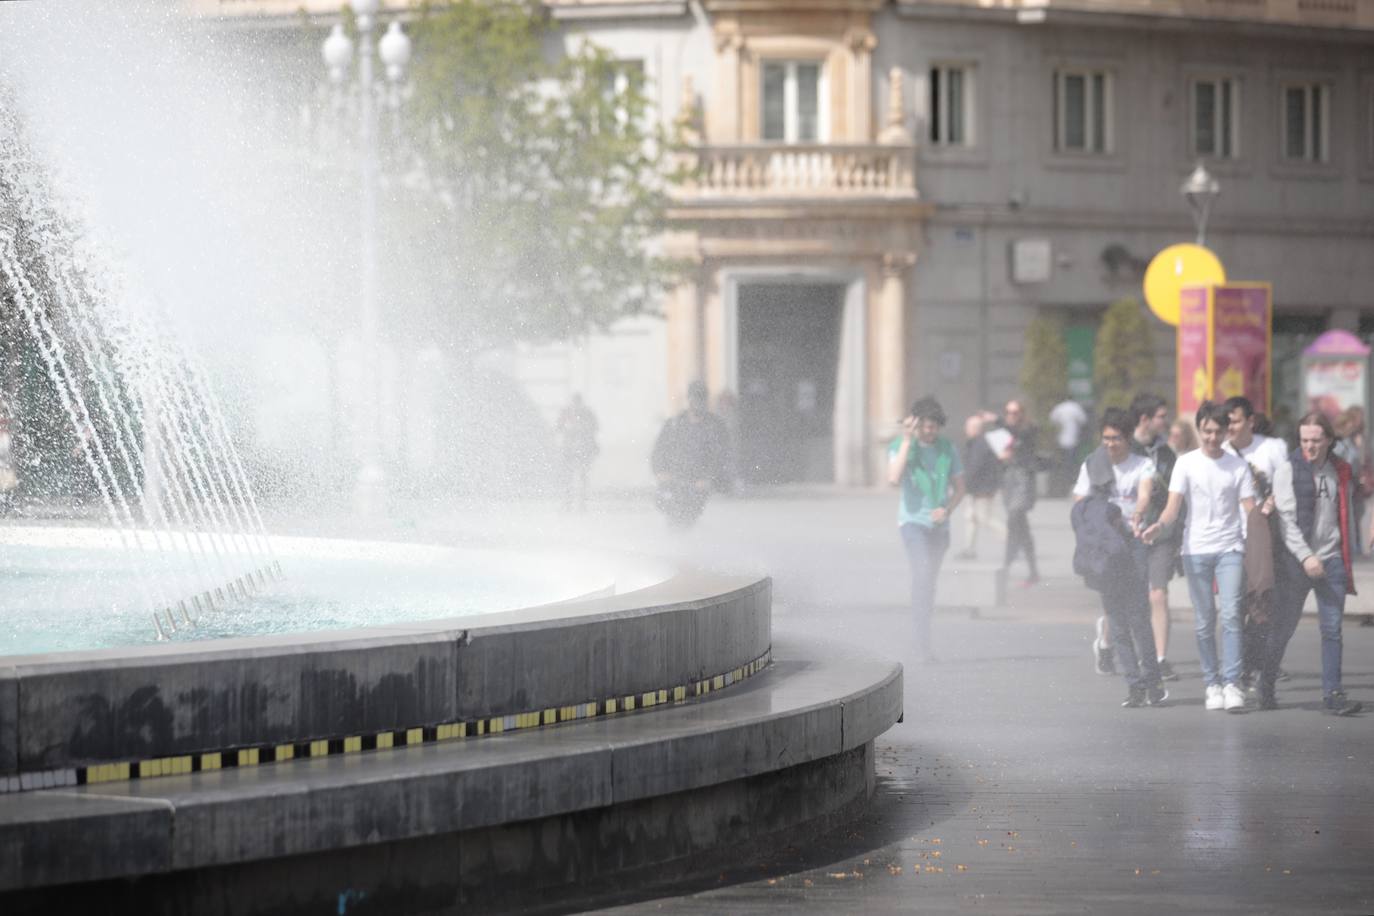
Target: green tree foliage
1124, 356
538, 183
1045, 367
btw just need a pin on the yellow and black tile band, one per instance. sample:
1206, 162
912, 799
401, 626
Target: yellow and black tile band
395, 738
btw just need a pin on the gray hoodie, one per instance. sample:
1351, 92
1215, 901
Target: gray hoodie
1326, 526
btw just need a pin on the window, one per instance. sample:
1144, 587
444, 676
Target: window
1216, 118
951, 105
792, 101
1083, 111
1306, 121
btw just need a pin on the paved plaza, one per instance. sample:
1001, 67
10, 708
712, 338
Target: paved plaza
1017, 784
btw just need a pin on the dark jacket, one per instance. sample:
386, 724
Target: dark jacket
982, 470
1305, 494
1260, 541
1103, 540
1018, 478
691, 449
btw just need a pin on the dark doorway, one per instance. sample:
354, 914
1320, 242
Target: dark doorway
789, 348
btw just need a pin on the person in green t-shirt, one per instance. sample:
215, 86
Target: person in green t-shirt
927, 468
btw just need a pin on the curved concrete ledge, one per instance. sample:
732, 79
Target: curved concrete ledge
59, 712
803, 726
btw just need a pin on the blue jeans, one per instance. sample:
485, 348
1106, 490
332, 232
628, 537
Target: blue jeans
1293, 586
925, 551
1228, 571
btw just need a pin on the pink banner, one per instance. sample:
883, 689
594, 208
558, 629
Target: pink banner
1333, 385
1240, 343
1194, 376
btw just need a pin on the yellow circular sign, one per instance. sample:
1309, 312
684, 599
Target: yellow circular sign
1174, 268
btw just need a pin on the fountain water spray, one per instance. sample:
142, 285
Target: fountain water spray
142, 412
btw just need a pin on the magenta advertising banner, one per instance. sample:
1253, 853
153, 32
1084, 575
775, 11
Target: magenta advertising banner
1194, 333
1241, 326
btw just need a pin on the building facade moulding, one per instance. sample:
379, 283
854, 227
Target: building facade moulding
897, 263
788, 7
1349, 16
795, 215
884, 243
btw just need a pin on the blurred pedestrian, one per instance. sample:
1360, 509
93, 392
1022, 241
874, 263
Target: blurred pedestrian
1020, 464
983, 477
1182, 438
1219, 492
1110, 500
1314, 495
927, 468
1150, 416
1282, 421
577, 448
688, 459
1349, 447
1069, 418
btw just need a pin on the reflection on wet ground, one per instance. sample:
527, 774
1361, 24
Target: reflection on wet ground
1017, 783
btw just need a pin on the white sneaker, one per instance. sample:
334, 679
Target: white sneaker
1213, 697
1233, 698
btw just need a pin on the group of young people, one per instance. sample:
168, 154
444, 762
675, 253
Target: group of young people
1252, 527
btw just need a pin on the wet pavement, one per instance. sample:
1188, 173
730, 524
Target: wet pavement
1017, 783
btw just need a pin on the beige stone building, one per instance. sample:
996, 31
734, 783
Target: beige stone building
887, 193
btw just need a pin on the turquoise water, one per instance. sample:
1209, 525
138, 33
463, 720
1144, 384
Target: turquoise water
64, 599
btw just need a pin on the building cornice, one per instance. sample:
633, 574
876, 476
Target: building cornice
655, 9
1043, 219
773, 210
793, 6
1355, 26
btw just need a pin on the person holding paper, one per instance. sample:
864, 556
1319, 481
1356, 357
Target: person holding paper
927, 468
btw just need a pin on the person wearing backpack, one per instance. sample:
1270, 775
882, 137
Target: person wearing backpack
1021, 462
926, 466
1114, 486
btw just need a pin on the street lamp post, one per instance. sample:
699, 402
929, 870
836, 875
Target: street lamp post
1200, 189
370, 491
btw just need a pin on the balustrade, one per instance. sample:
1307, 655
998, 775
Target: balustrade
800, 170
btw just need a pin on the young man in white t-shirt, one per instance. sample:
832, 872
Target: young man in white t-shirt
1265, 456
1263, 453
1220, 491
1127, 479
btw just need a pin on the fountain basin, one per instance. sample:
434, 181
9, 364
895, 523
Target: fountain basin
73, 717
76, 589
